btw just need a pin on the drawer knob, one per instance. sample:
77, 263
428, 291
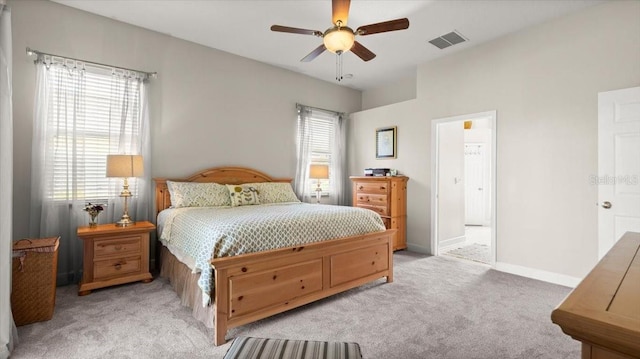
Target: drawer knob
361, 187
118, 266
382, 187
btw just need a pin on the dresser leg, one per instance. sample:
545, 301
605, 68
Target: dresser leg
147, 280
82, 293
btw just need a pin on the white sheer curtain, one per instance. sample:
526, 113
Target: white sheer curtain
338, 170
316, 144
8, 333
82, 113
303, 156
133, 138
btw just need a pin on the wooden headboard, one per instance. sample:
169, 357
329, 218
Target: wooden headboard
222, 175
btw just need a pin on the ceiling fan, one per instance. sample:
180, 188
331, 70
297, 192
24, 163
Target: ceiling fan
340, 38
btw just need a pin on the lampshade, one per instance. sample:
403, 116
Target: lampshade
339, 39
124, 166
319, 171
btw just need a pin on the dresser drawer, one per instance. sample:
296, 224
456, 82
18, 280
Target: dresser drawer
381, 210
372, 187
115, 267
116, 246
372, 199
386, 196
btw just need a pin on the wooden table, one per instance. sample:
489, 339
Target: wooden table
603, 311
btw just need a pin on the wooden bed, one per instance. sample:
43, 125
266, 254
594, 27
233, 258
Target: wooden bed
254, 286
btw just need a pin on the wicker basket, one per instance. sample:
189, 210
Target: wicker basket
35, 267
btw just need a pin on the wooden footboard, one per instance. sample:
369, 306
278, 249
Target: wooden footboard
254, 286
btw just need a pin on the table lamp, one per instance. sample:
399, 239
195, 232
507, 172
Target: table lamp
125, 166
319, 172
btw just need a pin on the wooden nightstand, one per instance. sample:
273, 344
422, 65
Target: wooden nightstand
114, 255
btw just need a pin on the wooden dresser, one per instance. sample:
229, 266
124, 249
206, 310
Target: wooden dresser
388, 197
114, 255
603, 311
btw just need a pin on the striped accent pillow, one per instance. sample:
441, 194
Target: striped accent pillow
260, 348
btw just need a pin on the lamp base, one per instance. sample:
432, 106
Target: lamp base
125, 222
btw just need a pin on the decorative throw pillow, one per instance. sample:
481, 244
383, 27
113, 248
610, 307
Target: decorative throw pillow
275, 192
243, 195
194, 194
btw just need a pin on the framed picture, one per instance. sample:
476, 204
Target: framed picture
386, 142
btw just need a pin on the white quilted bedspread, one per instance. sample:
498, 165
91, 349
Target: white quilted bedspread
203, 233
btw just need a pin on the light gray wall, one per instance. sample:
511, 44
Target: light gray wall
414, 134
208, 108
543, 82
398, 91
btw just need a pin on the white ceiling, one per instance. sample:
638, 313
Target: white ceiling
242, 28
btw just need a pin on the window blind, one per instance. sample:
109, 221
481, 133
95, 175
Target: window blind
322, 129
92, 113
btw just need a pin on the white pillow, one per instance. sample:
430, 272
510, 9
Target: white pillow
275, 192
194, 194
243, 195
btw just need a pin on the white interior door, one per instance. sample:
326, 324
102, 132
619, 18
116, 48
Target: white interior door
618, 177
474, 178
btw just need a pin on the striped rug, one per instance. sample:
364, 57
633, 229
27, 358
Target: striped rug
260, 348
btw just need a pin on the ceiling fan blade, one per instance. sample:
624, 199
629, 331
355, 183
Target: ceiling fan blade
295, 30
393, 25
313, 54
362, 52
340, 11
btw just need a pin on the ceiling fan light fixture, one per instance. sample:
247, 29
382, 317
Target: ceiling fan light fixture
339, 39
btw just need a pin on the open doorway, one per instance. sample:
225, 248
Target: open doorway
463, 183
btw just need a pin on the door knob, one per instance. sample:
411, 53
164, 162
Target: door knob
606, 204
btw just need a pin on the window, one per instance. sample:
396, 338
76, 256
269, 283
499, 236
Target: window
320, 140
91, 113
321, 130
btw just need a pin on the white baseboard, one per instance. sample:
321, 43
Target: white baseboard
451, 243
538, 274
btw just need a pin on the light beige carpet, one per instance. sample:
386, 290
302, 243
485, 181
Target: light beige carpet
437, 307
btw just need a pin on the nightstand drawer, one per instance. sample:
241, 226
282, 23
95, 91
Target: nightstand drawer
383, 211
372, 187
372, 199
116, 246
115, 267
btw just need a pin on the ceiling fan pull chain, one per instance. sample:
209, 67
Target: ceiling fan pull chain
339, 66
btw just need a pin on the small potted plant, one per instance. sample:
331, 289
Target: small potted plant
94, 210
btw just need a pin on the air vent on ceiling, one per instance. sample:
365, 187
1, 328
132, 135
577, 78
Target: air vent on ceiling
447, 40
